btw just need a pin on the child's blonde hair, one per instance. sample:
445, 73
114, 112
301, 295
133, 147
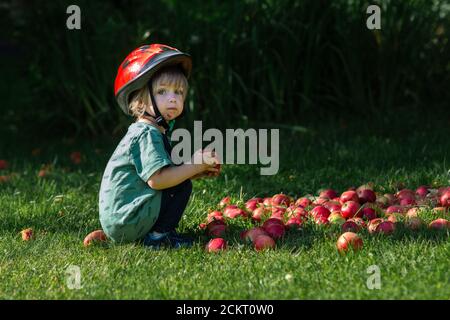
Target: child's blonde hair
140, 99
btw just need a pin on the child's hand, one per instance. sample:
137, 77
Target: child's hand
210, 173
209, 163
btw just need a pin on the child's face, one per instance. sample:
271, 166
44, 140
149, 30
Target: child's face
169, 99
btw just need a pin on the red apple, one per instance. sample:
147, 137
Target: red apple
75, 157
233, 212
27, 234
407, 202
278, 210
328, 193
214, 215
405, 194
439, 210
252, 204
304, 202
349, 240
294, 223
349, 209
332, 206
395, 217
274, 227
350, 225
366, 195
422, 191
385, 227
439, 224
281, 200
336, 218
97, 235
267, 202
320, 210
224, 202
263, 242
413, 212
3, 164
349, 196
359, 221
391, 199
250, 235
259, 213
320, 201
321, 219
368, 213
297, 212
373, 224
445, 199
216, 228
395, 209
216, 245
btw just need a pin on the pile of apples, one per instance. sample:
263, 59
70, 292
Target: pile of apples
354, 210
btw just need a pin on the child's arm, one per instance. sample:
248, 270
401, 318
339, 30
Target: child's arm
172, 176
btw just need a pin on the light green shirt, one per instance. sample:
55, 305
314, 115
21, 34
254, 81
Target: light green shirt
128, 207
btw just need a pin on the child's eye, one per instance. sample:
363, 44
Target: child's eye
179, 91
161, 91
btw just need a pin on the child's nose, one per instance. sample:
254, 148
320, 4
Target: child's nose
172, 98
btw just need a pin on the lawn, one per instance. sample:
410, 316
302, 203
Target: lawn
62, 208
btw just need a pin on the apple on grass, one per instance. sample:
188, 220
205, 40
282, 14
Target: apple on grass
251, 234
224, 202
274, 227
259, 213
336, 218
350, 225
347, 241
216, 245
214, 215
349, 196
264, 242
373, 224
97, 235
445, 199
328, 193
294, 223
27, 234
233, 211
439, 224
366, 195
395, 217
216, 228
395, 209
252, 204
349, 209
385, 227
422, 191
303, 202
368, 213
320, 211
280, 200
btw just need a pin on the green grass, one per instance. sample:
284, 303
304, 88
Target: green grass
306, 265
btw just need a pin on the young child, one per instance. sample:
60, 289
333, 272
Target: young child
143, 194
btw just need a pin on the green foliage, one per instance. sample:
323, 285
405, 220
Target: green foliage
288, 62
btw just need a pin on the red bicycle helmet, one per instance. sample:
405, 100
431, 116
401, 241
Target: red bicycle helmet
141, 64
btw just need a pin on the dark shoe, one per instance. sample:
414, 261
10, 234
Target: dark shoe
177, 240
170, 239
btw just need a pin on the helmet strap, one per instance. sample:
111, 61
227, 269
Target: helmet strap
160, 121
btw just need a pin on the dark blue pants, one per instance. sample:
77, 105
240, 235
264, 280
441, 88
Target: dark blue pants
173, 203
